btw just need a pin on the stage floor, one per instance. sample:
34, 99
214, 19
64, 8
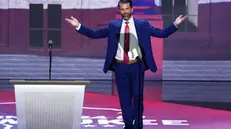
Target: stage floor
102, 111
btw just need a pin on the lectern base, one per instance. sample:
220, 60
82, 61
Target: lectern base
49, 104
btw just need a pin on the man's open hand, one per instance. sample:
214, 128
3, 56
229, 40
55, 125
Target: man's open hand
73, 21
180, 19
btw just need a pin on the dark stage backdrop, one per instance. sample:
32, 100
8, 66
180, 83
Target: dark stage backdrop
200, 50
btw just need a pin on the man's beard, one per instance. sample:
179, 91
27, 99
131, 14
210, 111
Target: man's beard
127, 16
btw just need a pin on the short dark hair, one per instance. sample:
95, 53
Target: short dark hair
125, 2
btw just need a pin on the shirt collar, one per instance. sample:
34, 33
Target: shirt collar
130, 20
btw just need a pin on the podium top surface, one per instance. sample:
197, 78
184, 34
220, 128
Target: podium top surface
48, 82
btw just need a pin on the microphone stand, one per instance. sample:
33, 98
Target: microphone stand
139, 100
50, 44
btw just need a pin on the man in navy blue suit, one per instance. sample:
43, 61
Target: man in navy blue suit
129, 54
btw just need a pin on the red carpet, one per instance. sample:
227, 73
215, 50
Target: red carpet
102, 111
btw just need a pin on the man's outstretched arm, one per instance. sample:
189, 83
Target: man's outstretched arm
163, 33
100, 33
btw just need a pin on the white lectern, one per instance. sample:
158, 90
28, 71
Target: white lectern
49, 104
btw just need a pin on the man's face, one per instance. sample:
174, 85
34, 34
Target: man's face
125, 11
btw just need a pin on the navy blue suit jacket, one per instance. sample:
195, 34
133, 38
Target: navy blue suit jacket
144, 31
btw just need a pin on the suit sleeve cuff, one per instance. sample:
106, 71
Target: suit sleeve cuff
77, 28
177, 26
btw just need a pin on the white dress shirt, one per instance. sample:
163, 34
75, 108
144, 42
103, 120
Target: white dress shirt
133, 52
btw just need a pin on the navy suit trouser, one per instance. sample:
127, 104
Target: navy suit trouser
127, 78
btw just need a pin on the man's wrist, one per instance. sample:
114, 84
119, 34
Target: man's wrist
78, 27
176, 25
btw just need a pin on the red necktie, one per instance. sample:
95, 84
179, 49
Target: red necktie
126, 43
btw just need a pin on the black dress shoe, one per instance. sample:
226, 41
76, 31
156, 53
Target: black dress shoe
135, 127
125, 127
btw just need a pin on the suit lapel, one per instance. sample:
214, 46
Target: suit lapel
118, 28
137, 26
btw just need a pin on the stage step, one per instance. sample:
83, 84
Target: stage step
36, 67
197, 70
97, 86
